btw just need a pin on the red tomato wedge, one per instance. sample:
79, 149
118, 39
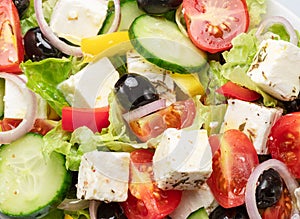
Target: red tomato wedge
232, 165
145, 199
40, 126
284, 142
11, 43
93, 118
178, 115
212, 24
232, 90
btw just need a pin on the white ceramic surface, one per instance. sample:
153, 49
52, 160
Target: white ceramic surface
293, 5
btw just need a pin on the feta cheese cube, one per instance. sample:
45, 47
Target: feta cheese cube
15, 105
252, 119
275, 69
103, 176
77, 19
182, 159
91, 86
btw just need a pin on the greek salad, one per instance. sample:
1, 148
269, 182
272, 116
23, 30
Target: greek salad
149, 109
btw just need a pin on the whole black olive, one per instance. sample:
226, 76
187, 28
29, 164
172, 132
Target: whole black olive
239, 212
22, 6
37, 47
110, 211
158, 6
292, 106
269, 189
134, 90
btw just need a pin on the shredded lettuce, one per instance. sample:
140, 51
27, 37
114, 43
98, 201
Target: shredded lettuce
256, 9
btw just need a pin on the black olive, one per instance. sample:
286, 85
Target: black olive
134, 90
22, 6
158, 6
292, 106
37, 47
269, 188
264, 157
110, 211
239, 212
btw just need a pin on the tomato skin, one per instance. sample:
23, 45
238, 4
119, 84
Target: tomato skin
233, 163
145, 199
213, 24
284, 141
232, 90
11, 42
178, 115
40, 126
282, 209
93, 118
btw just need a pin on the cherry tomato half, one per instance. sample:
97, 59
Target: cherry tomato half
232, 165
11, 44
212, 24
232, 90
145, 199
284, 142
178, 115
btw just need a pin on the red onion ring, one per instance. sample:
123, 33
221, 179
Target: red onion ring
144, 110
178, 20
27, 122
117, 18
93, 208
265, 24
47, 31
283, 171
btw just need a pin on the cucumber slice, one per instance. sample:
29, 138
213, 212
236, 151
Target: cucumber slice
198, 214
31, 184
161, 42
129, 11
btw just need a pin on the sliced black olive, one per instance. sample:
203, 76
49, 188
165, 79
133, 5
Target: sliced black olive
158, 6
134, 90
269, 188
22, 6
37, 47
110, 211
239, 212
292, 106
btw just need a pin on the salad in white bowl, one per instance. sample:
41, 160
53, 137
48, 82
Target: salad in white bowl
149, 109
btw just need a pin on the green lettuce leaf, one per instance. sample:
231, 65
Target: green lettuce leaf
29, 21
44, 76
256, 9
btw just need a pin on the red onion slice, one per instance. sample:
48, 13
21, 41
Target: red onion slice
283, 171
117, 18
265, 24
93, 208
27, 123
47, 31
144, 110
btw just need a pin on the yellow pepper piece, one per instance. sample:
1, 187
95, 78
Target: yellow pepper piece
95, 45
68, 216
188, 83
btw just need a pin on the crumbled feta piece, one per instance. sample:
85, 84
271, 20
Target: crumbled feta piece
275, 69
103, 176
182, 160
192, 200
91, 86
159, 77
78, 19
252, 119
15, 106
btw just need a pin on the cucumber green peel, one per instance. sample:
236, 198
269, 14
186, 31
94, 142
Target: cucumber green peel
30, 184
